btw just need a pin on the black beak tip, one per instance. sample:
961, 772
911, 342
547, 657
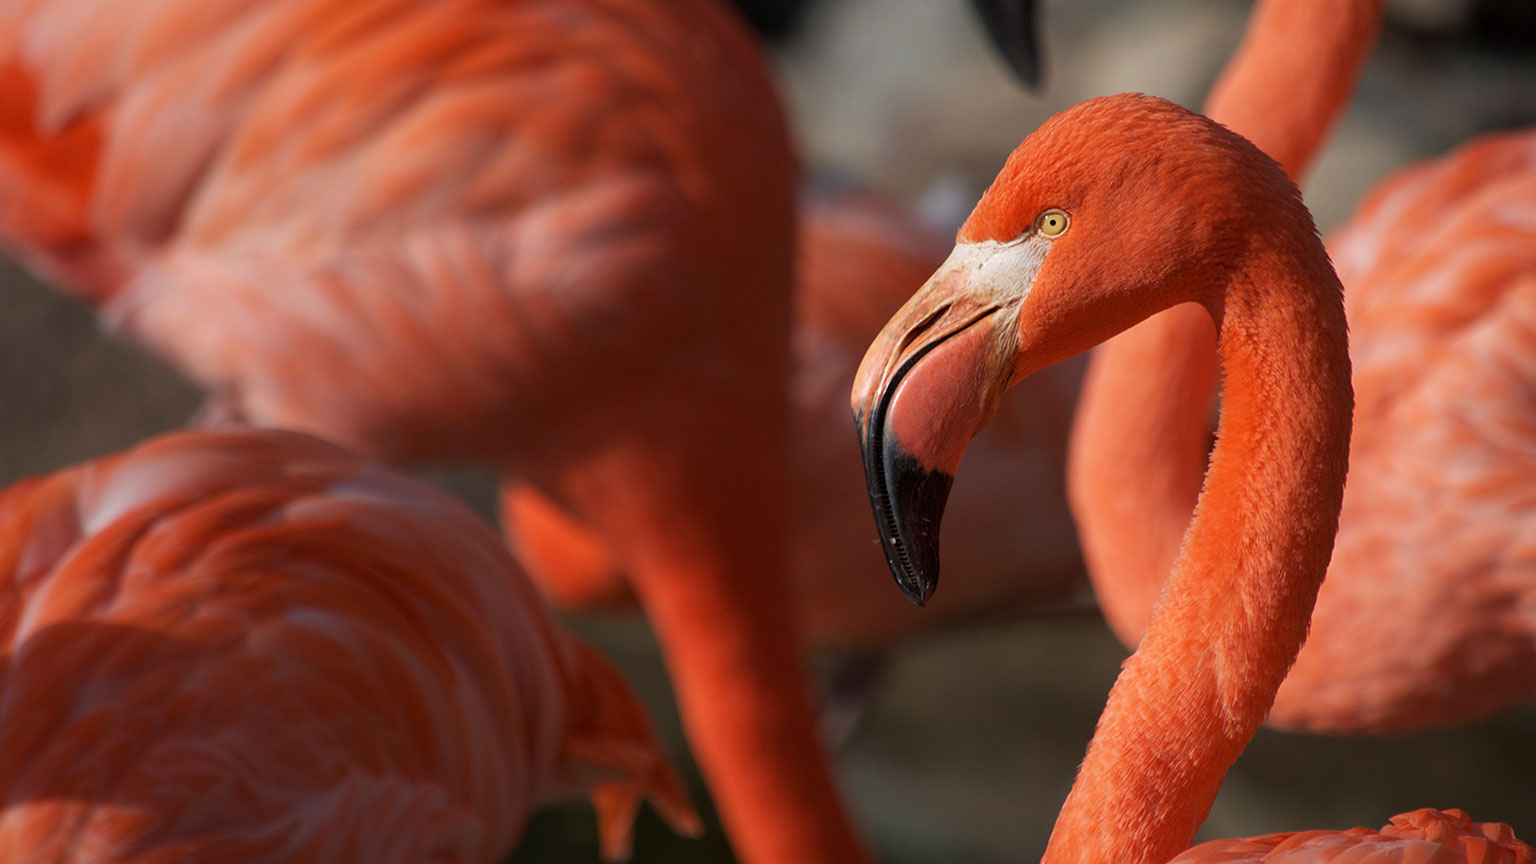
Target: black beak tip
918, 590
908, 501
1011, 24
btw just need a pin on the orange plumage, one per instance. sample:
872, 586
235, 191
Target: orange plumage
550, 236
1070, 245
1428, 615
254, 646
1419, 837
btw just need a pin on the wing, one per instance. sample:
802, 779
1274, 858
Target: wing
216, 636
324, 210
1429, 611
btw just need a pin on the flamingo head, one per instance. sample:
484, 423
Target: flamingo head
1111, 211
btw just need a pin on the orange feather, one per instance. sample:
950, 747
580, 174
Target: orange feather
550, 236
1428, 615
254, 646
1419, 837
1110, 212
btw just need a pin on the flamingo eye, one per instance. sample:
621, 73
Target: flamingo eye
1052, 223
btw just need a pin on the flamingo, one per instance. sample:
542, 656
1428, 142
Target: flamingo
244, 645
1111, 211
1428, 615
856, 253
553, 237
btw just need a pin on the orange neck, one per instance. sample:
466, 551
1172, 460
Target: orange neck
1235, 611
1141, 435
1286, 100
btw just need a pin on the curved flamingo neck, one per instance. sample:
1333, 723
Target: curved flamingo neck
1286, 100
1141, 436
1235, 611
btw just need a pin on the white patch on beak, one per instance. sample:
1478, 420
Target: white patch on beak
1001, 272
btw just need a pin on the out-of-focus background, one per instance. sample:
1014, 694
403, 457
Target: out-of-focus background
969, 741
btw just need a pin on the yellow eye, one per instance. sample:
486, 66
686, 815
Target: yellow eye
1052, 223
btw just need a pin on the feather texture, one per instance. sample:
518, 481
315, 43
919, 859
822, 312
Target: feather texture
255, 646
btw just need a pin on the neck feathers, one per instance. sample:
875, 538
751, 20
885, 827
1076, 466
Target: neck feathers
1235, 612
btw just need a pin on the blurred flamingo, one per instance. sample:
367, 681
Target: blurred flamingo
1109, 212
551, 236
858, 255
1428, 616
255, 646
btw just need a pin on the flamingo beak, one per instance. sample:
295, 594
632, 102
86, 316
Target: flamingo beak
932, 379
1011, 24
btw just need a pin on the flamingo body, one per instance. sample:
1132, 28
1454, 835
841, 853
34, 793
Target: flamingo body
254, 646
1428, 616
554, 237
383, 222
1430, 836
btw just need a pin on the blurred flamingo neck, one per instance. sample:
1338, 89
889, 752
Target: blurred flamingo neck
1141, 436
1140, 446
1286, 100
1235, 611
